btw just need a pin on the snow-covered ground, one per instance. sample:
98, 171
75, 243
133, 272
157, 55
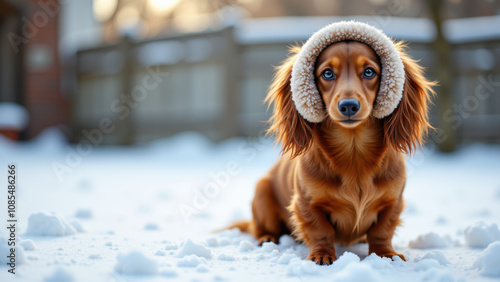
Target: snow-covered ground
150, 213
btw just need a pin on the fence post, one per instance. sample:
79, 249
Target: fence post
442, 51
232, 77
126, 126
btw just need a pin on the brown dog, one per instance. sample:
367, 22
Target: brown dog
340, 180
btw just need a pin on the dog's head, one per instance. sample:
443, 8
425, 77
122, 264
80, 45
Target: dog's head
347, 76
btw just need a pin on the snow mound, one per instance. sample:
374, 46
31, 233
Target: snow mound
225, 257
135, 263
489, 260
245, 246
5, 251
440, 275
151, 226
344, 260
426, 264
27, 245
357, 272
83, 213
45, 224
430, 240
160, 253
287, 241
60, 275
171, 246
202, 268
13, 116
190, 261
95, 256
300, 268
78, 226
480, 235
170, 273
435, 255
268, 247
212, 242
191, 248
378, 262
286, 258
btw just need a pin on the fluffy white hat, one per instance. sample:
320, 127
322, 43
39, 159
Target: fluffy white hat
304, 92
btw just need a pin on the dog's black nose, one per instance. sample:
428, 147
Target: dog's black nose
349, 107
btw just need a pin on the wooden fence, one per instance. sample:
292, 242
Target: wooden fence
216, 84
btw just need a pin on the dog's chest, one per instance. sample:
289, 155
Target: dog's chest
353, 210
350, 224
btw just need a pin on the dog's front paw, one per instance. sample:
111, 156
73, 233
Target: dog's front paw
322, 256
391, 254
388, 254
268, 238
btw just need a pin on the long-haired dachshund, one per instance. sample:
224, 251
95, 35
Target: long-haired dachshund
342, 174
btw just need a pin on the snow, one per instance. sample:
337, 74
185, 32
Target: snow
151, 226
268, 247
212, 242
60, 275
430, 241
190, 261
171, 246
95, 256
357, 272
45, 224
78, 226
435, 255
489, 260
191, 248
346, 259
124, 189
226, 257
13, 116
83, 213
246, 246
426, 264
480, 235
135, 263
5, 253
28, 244
286, 258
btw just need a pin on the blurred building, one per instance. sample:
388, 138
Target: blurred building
146, 69
29, 62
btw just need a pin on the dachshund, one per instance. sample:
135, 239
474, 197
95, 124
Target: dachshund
340, 180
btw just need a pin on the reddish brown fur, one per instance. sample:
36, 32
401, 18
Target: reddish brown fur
336, 182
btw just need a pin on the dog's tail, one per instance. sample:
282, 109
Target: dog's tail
243, 225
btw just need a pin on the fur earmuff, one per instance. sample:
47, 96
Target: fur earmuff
305, 93
406, 128
291, 130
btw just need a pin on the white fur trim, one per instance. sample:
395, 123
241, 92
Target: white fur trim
304, 91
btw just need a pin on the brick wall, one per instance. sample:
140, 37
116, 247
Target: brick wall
42, 85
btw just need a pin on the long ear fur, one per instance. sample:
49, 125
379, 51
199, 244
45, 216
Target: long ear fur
406, 128
289, 127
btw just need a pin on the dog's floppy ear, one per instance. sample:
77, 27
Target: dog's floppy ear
289, 127
406, 128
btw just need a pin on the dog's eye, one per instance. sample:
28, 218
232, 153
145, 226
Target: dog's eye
328, 74
369, 73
